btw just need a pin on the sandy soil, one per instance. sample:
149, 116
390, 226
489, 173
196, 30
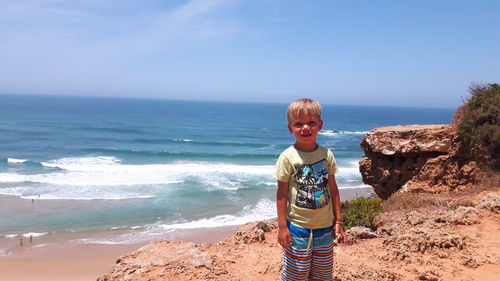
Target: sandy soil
62, 262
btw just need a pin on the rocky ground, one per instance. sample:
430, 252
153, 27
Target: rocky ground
453, 238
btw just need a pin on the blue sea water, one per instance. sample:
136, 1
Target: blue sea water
86, 164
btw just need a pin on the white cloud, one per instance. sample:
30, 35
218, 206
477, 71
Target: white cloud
145, 30
87, 35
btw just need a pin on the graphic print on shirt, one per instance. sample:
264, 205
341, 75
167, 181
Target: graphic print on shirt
312, 185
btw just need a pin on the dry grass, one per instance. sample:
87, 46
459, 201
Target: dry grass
490, 181
460, 203
409, 200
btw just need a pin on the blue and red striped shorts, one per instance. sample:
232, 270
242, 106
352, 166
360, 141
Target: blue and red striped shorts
309, 256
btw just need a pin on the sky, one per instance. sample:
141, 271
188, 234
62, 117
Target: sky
398, 53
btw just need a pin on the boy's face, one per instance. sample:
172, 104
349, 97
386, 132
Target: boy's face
305, 128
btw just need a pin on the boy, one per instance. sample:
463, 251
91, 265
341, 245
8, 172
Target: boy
307, 199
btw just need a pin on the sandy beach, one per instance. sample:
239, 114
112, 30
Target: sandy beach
69, 261
81, 262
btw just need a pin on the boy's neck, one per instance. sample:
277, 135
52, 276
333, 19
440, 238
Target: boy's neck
305, 147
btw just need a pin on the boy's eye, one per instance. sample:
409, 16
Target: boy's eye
300, 125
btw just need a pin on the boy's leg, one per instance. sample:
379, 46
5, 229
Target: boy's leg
322, 255
297, 257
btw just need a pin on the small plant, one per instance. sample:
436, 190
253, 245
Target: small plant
361, 212
478, 123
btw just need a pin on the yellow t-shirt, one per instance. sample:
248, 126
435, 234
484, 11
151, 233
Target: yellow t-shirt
309, 201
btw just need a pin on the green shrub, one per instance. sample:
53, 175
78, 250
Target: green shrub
478, 123
361, 212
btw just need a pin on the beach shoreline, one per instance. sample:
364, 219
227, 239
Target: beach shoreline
87, 261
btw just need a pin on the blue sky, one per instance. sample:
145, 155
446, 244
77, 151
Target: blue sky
402, 53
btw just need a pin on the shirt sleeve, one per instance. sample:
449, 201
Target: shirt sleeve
284, 169
332, 163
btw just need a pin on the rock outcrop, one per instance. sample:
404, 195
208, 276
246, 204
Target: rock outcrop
424, 158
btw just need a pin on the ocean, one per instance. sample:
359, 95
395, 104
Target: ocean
117, 170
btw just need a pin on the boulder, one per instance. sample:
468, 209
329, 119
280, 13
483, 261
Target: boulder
490, 202
461, 215
253, 232
423, 158
360, 232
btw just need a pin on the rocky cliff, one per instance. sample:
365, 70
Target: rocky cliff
426, 158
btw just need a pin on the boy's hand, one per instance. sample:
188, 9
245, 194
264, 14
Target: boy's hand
341, 235
284, 237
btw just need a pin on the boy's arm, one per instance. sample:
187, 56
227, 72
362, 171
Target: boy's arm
334, 192
284, 237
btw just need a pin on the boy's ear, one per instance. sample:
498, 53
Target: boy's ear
290, 128
320, 125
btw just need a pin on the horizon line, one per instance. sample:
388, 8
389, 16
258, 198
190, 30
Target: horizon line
217, 100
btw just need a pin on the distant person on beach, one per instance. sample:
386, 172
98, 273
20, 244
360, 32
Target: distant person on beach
308, 201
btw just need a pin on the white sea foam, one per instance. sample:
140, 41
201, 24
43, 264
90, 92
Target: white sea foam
91, 195
183, 140
127, 227
355, 186
106, 171
273, 183
103, 241
34, 234
54, 192
333, 132
40, 245
15, 161
27, 235
88, 178
348, 171
348, 175
264, 209
81, 163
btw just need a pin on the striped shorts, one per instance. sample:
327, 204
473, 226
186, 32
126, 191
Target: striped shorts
310, 255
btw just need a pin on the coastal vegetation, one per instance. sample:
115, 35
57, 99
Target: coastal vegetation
361, 212
478, 123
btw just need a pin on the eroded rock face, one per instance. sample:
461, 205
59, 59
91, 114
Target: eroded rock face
409, 140
425, 158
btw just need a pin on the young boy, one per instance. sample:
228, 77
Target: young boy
308, 199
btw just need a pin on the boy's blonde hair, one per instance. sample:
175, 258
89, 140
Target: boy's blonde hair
303, 106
